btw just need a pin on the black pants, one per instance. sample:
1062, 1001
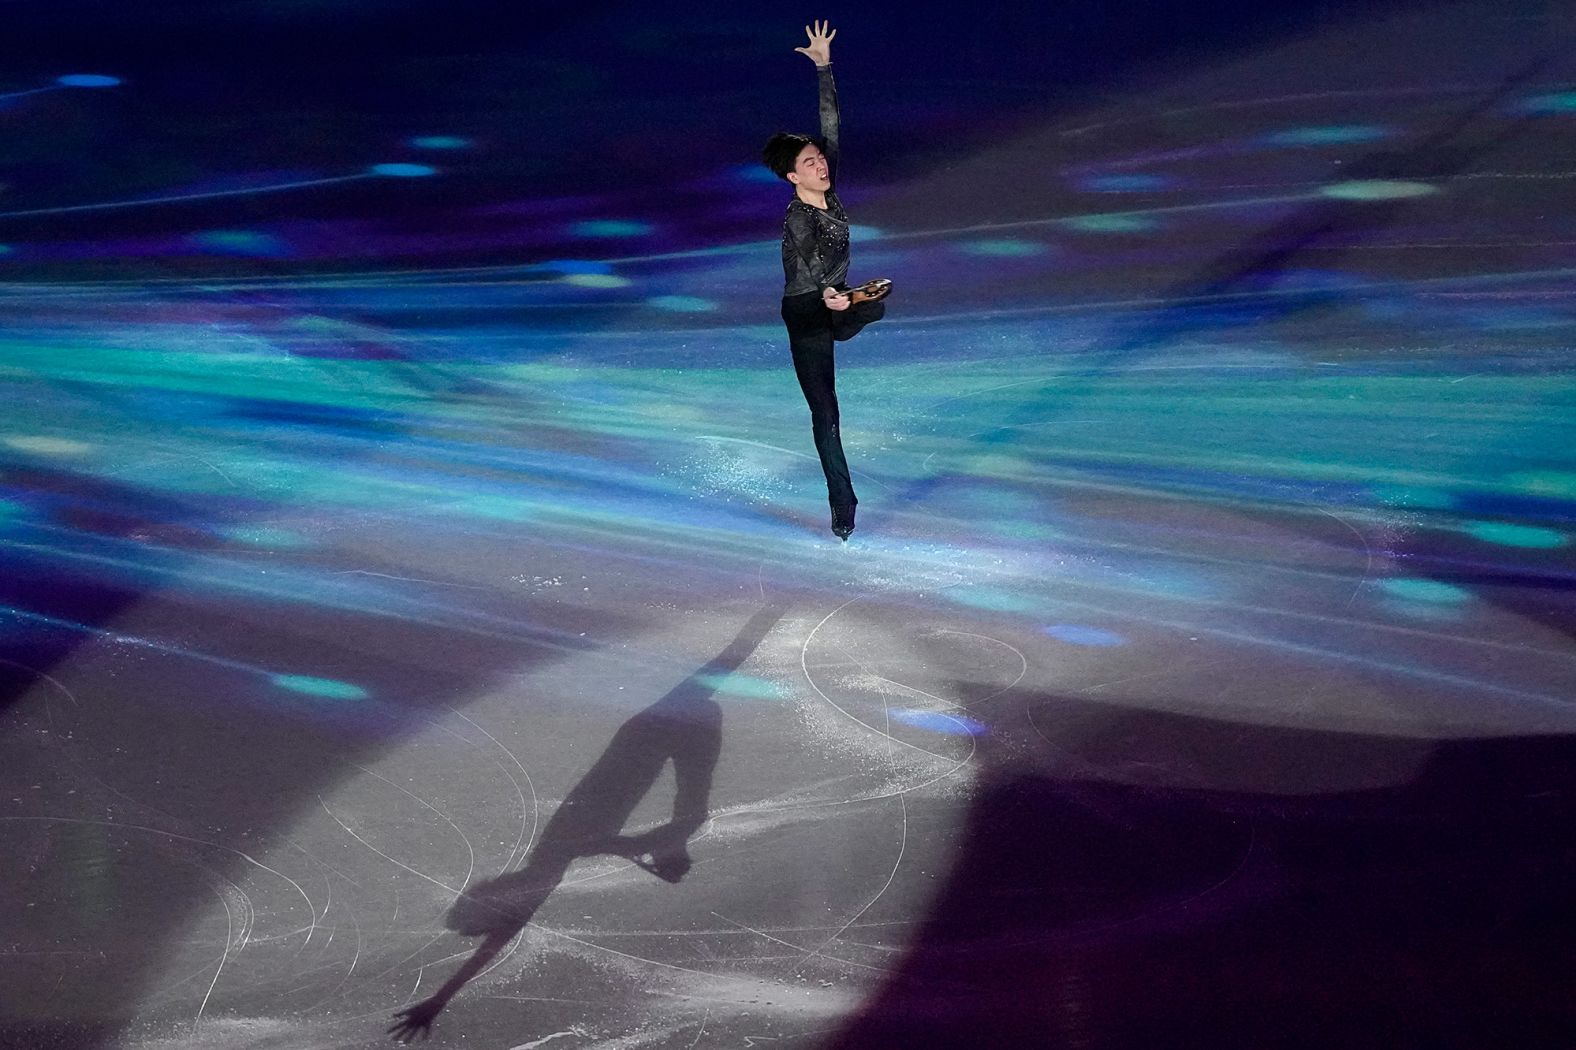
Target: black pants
812, 330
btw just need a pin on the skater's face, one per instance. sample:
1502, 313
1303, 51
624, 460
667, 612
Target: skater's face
810, 170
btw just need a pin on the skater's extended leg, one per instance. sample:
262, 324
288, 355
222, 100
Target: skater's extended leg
814, 364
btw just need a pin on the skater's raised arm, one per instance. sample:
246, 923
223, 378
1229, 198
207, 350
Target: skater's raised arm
820, 52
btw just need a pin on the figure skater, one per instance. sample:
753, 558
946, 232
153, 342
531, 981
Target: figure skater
818, 307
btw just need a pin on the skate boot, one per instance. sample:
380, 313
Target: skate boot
843, 521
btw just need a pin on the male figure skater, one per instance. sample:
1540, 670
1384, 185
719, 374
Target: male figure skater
818, 308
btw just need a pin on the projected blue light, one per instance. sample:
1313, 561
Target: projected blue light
755, 173
1125, 183
573, 266
87, 80
1078, 634
403, 171
938, 722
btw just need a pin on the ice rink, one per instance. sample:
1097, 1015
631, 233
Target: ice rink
405, 490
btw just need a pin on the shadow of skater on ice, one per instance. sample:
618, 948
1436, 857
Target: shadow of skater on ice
685, 726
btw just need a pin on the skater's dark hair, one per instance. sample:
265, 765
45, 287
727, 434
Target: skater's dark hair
782, 149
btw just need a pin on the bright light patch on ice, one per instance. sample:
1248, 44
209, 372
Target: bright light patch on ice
1078, 634
1515, 535
1377, 190
1326, 135
1109, 223
1432, 591
681, 304
87, 80
611, 228
440, 142
744, 686
46, 446
1125, 183
1559, 102
404, 171
328, 688
939, 722
597, 280
1005, 248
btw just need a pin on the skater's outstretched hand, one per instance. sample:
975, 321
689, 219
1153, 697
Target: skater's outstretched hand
834, 299
820, 49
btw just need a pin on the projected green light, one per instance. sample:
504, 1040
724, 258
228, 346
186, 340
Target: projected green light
1515, 535
440, 142
596, 280
992, 598
681, 304
1326, 135
1109, 223
238, 242
1559, 102
1377, 190
1554, 483
1431, 591
328, 688
612, 228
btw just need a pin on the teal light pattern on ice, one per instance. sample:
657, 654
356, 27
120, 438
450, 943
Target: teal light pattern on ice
682, 304
612, 228
1110, 223
1327, 135
440, 142
1430, 591
1378, 190
327, 688
742, 686
1510, 535
401, 170
1555, 102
